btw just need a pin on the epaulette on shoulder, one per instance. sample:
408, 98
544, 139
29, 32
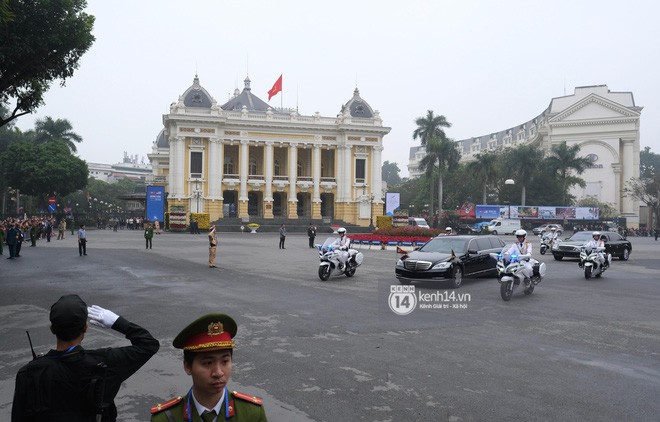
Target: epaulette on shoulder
164, 406
247, 397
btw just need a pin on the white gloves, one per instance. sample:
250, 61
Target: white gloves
101, 317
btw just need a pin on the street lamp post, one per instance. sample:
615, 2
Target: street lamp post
371, 211
509, 182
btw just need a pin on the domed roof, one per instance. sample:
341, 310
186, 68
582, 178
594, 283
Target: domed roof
196, 96
161, 140
248, 99
357, 107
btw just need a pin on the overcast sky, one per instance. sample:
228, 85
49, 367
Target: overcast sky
485, 65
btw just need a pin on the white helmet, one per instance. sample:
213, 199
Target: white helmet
553, 228
595, 234
341, 230
521, 232
448, 229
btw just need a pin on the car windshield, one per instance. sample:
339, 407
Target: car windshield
581, 237
445, 244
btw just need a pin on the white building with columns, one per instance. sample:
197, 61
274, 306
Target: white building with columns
604, 124
245, 158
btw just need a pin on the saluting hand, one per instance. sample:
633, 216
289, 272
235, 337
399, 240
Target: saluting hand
101, 317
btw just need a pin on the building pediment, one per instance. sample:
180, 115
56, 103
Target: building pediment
594, 108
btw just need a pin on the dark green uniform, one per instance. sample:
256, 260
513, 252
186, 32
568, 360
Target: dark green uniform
148, 236
242, 407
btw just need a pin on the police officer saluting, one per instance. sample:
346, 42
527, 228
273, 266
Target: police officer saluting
208, 348
71, 383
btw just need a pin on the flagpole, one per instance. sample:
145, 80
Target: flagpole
282, 92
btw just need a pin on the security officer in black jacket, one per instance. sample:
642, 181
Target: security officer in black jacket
73, 384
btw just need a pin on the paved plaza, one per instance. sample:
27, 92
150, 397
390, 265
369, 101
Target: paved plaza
335, 351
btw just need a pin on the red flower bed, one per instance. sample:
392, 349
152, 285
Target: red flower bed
398, 234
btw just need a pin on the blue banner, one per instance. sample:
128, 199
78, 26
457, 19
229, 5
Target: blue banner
488, 211
156, 203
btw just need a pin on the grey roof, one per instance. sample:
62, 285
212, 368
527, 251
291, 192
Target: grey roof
161, 140
248, 99
196, 96
358, 107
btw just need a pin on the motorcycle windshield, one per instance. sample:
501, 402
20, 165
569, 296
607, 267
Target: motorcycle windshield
327, 245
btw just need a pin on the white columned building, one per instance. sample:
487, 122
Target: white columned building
603, 123
245, 159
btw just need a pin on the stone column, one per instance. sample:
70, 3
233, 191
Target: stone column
243, 176
181, 175
172, 181
214, 169
268, 191
292, 209
316, 178
376, 182
348, 176
627, 161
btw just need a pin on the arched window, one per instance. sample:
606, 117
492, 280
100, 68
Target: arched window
253, 166
276, 168
229, 166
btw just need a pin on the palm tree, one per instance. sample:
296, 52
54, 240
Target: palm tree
430, 126
564, 160
523, 162
49, 130
484, 169
441, 154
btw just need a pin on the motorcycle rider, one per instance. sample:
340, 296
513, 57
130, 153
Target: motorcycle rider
551, 236
342, 243
598, 242
449, 231
523, 249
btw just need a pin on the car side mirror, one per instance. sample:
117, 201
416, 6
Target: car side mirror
416, 248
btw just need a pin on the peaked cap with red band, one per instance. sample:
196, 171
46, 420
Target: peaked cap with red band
207, 333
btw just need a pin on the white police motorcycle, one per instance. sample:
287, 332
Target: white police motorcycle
510, 273
591, 261
330, 263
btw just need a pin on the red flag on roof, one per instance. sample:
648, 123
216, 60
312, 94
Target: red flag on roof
277, 87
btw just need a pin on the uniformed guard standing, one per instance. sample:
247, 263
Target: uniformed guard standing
208, 347
213, 246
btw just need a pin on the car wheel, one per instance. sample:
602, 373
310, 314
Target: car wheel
494, 232
625, 255
557, 257
457, 277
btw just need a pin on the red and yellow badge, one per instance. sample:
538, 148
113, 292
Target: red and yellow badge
208, 333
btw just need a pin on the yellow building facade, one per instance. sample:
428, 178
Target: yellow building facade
246, 159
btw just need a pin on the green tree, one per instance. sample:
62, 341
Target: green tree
522, 163
607, 211
649, 163
44, 169
565, 161
41, 41
390, 173
49, 130
441, 157
484, 168
646, 188
430, 126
